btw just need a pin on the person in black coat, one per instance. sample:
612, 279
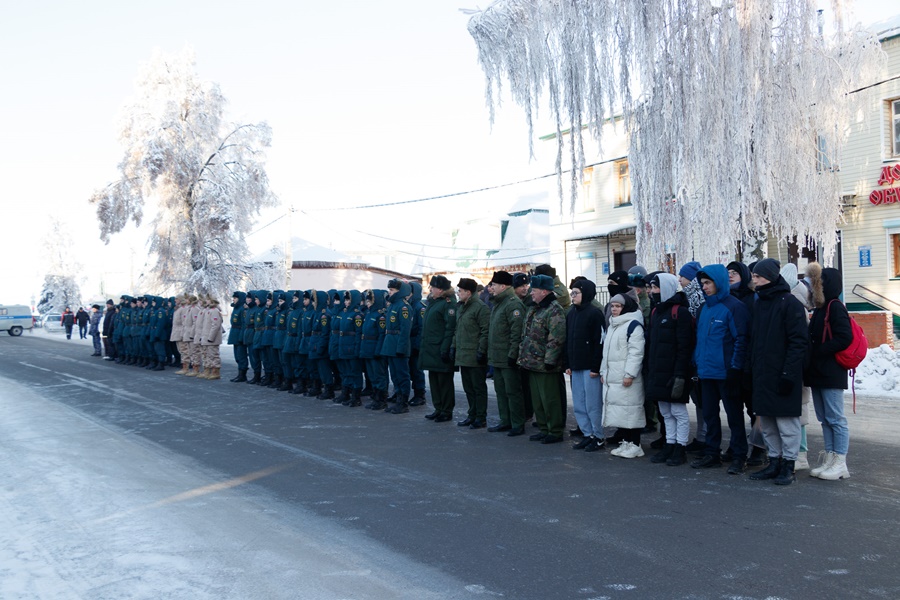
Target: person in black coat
778, 345
109, 327
670, 346
826, 378
582, 356
83, 319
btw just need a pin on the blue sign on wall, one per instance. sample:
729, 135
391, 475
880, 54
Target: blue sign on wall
604, 268
865, 256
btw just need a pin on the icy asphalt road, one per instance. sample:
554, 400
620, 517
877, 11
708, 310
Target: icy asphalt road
121, 483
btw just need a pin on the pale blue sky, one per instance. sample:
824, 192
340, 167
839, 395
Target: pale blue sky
369, 102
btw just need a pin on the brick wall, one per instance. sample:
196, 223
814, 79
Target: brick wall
877, 325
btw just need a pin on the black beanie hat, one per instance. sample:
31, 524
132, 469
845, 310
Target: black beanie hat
520, 279
467, 284
768, 268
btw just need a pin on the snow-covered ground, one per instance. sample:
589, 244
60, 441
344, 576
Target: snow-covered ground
879, 373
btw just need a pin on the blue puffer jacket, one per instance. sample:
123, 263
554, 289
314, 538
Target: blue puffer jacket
722, 327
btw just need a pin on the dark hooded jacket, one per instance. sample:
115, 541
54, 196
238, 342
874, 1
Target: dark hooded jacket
722, 329
281, 319
336, 301
294, 327
398, 325
307, 319
236, 333
585, 325
418, 311
822, 370
321, 327
351, 327
109, 322
670, 343
778, 344
259, 318
372, 334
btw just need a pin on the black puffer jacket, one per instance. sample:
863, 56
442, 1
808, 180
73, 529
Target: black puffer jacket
778, 344
670, 346
584, 331
823, 371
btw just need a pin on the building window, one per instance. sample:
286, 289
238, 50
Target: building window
895, 253
894, 124
623, 180
587, 180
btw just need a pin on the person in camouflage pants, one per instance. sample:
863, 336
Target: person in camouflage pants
540, 353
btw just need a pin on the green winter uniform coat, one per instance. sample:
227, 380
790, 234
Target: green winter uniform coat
438, 329
544, 337
473, 320
507, 321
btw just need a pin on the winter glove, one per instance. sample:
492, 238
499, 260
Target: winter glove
678, 388
512, 363
445, 358
549, 367
481, 358
785, 386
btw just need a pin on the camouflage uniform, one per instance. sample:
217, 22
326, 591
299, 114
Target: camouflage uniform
540, 353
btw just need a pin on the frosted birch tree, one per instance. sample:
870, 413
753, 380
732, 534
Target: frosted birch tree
205, 177
736, 110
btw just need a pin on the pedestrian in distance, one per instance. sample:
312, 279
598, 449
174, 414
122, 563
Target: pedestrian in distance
67, 320
94, 329
83, 319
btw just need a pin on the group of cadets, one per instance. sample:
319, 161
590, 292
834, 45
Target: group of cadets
155, 332
714, 335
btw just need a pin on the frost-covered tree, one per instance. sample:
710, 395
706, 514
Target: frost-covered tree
736, 110
62, 268
204, 176
58, 292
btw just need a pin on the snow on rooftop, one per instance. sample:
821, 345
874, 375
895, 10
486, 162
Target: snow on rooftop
886, 28
305, 251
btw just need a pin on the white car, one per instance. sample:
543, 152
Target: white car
51, 322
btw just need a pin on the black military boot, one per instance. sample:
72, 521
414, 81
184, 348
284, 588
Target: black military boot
418, 398
265, 381
770, 472
255, 378
344, 397
327, 392
663, 455
241, 377
678, 457
159, 367
786, 474
275, 381
286, 385
354, 399
315, 388
398, 408
299, 387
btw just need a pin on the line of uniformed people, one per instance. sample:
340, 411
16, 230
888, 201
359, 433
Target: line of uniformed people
155, 332
313, 342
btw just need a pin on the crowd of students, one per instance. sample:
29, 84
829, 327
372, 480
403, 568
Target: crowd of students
755, 338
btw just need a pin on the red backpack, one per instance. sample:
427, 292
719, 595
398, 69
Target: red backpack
851, 356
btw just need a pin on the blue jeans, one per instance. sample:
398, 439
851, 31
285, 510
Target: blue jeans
829, 404
712, 391
587, 403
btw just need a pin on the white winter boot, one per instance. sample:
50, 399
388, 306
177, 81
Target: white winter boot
837, 469
802, 462
825, 459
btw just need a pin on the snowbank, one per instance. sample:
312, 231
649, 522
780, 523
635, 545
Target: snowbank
879, 373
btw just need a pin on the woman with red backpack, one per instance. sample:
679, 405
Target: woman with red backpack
830, 331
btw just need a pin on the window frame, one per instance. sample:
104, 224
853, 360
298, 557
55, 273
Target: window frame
622, 180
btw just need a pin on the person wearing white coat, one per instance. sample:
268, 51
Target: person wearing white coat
620, 372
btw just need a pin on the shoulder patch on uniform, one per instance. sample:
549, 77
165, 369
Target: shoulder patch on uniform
517, 313
451, 312
358, 321
405, 312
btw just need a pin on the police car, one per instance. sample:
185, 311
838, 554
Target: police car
14, 319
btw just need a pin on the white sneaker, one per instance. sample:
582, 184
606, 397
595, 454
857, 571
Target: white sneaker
622, 446
630, 451
802, 462
837, 469
825, 459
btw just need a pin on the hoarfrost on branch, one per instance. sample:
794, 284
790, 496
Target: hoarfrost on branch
736, 110
205, 175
